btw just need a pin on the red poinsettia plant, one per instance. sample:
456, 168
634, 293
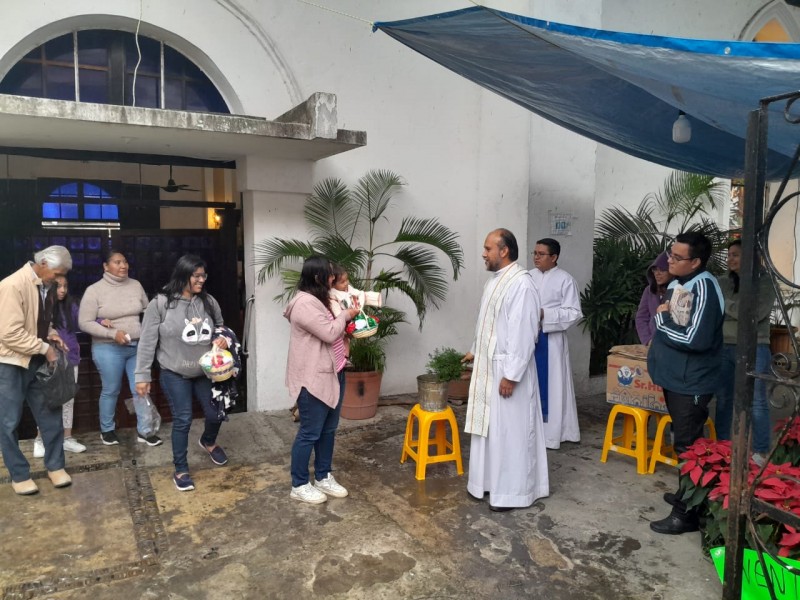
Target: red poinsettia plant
788, 449
705, 484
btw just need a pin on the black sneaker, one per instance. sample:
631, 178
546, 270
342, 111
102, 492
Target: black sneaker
150, 440
109, 438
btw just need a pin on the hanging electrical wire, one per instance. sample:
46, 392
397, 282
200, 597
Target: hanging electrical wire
338, 12
138, 51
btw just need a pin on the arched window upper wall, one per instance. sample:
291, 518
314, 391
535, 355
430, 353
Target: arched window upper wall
100, 66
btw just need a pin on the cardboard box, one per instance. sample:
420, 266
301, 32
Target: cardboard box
628, 381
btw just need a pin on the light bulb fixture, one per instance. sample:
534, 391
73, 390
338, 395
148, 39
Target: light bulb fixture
681, 129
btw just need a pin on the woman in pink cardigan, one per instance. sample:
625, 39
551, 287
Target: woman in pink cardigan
315, 376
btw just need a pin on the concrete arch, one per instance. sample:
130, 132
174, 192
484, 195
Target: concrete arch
777, 10
254, 27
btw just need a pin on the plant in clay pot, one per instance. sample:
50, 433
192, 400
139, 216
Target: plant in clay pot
444, 367
446, 364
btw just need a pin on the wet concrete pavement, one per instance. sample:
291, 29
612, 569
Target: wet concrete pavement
123, 531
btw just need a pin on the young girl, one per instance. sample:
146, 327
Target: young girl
343, 296
65, 321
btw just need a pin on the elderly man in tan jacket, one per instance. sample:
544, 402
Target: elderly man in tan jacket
26, 338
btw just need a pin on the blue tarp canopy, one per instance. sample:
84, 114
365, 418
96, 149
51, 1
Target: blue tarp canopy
620, 89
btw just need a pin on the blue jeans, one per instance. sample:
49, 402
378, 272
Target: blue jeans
318, 424
760, 408
179, 392
18, 385
112, 362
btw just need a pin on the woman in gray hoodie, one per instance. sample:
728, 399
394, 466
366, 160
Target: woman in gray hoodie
177, 330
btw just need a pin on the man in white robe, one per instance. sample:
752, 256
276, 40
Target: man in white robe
560, 310
508, 458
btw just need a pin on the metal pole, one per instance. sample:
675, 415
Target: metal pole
755, 168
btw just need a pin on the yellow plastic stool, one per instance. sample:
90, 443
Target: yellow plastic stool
633, 441
419, 448
665, 454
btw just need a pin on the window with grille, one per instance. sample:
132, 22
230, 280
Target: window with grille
80, 203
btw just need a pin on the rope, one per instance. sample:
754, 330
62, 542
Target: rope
370, 23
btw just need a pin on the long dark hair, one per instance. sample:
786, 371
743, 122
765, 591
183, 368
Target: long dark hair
314, 278
64, 310
732, 274
181, 274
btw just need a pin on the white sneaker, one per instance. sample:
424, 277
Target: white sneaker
73, 445
330, 487
759, 459
308, 493
38, 448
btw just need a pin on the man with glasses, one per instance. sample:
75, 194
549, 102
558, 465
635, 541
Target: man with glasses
560, 310
686, 354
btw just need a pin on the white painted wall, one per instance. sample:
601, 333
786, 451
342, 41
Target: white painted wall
470, 158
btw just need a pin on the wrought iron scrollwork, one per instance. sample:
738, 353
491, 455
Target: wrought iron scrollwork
783, 380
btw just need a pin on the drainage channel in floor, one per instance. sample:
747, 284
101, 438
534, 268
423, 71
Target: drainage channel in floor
149, 533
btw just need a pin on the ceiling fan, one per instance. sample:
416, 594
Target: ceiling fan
173, 187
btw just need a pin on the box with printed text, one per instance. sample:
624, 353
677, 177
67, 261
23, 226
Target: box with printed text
629, 382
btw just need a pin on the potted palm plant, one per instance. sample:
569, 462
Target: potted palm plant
444, 367
346, 225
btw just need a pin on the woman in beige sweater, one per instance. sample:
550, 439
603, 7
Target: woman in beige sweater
110, 311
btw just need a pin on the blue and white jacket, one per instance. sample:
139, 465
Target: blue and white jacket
687, 359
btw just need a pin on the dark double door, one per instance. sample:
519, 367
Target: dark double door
152, 255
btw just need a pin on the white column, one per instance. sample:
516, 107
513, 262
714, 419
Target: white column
274, 193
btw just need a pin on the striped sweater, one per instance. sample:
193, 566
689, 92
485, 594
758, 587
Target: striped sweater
686, 358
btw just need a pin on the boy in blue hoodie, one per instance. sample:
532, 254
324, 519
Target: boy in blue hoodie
686, 354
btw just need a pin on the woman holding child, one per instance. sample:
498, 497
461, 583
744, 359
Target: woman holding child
315, 377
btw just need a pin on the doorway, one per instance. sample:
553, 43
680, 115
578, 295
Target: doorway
152, 252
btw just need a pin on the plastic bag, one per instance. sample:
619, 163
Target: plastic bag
148, 419
57, 380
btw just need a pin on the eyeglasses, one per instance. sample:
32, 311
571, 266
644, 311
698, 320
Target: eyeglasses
200, 276
675, 258
540, 254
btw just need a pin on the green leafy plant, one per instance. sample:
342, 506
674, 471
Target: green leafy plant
684, 203
368, 355
344, 226
446, 364
610, 299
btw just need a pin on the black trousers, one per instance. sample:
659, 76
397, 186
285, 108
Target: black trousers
689, 415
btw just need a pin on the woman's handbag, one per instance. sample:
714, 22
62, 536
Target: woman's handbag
57, 380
